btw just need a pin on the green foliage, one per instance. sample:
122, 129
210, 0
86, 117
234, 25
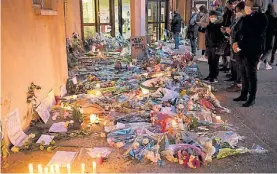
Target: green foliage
77, 115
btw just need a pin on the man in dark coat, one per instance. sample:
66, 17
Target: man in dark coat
251, 47
192, 32
176, 26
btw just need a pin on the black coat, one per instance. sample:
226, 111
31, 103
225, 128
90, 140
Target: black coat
213, 35
271, 30
228, 17
192, 31
176, 24
252, 40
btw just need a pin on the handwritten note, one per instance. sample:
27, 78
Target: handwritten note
43, 112
62, 158
74, 80
58, 127
46, 139
15, 132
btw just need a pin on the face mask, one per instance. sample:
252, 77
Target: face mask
238, 15
213, 20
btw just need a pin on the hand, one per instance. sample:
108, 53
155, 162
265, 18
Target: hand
222, 29
228, 30
235, 47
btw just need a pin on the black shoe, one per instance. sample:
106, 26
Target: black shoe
207, 78
240, 98
249, 103
229, 80
229, 75
213, 80
223, 69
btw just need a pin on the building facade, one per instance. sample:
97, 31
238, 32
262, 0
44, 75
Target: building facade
33, 50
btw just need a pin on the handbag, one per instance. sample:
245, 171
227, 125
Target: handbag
224, 48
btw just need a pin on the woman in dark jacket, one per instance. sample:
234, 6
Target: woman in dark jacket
270, 32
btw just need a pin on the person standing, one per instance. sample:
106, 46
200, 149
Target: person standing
193, 30
203, 23
176, 26
251, 47
270, 32
213, 37
234, 32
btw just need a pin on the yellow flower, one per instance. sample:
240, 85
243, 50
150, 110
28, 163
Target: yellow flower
32, 135
183, 93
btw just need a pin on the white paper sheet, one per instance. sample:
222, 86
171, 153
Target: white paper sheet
63, 91
104, 151
46, 138
51, 99
58, 127
15, 132
43, 112
62, 158
74, 80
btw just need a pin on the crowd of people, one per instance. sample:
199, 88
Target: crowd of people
242, 35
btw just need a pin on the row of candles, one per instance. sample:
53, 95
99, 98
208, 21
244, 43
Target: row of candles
56, 169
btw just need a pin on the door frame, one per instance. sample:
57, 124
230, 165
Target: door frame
158, 22
97, 23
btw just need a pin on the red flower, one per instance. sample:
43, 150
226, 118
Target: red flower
196, 163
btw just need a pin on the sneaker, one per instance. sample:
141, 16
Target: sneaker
213, 81
259, 65
233, 88
207, 78
268, 67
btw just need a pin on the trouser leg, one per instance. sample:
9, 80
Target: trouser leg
251, 71
214, 61
193, 45
237, 67
273, 53
244, 78
233, 69
209, 55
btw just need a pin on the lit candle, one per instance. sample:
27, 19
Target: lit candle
174, 124
97, 86
218, 119
45, 170
93, 167
98, 93
144, 91
68, 168
52, 170
31, 169
99, 159
57, 168
40, 169
83, 168
93, 119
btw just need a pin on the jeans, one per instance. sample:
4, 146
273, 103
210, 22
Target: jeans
193, 45
177, 40
249, 75
273, 55
213, 61
269, 51
235, 71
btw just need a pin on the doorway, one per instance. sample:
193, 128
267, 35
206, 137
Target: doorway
157, 14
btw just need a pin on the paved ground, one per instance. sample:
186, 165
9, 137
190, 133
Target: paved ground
258, 124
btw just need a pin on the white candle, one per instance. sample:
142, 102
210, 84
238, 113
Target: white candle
218, 119
93, 167
97, 86
93, 118
174, 124
31, 169
45, 170
40, 171
52, 170
68, 168
57, 168
83, 168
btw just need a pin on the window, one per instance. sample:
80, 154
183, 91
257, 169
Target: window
45, 7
